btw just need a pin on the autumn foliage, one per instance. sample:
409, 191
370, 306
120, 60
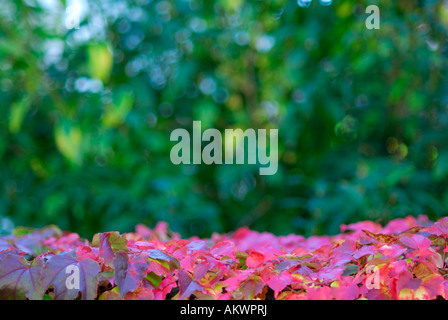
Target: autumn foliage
403, 260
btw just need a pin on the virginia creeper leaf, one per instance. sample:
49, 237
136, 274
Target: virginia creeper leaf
116, 241
18, 279
129, 271
55, 273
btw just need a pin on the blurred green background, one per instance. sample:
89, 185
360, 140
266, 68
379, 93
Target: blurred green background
86, 114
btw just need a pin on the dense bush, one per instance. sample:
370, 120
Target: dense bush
403, 260
86, 113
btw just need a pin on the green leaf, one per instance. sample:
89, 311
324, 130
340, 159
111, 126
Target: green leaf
159, 255
116, 241
100, 61
18, 112
115, 113
69, 142
154, 279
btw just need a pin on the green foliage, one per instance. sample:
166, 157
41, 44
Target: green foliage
86, 113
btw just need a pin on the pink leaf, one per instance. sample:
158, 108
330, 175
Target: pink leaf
255, 259
416, 241
186, 285
224, 248
129, 271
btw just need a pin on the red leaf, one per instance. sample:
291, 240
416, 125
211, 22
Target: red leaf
129, 271
106, 251
186, 285
439, 228
276, 282
416, 241
345, 290
319, 293
252, 288
165, 287
394, 250
301, 252
141, 293
433, 287
255, 259
364, 251
407, 285
224, 249
85, 252
198, 245
233, 281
